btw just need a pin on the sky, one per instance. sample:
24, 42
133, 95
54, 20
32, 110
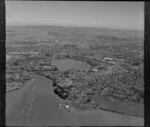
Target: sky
118, 15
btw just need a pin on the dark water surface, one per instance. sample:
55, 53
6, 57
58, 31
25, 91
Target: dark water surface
37, 105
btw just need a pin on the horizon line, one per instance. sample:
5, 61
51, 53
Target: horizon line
98, 27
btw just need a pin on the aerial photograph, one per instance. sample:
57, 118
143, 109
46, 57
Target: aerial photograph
74, 63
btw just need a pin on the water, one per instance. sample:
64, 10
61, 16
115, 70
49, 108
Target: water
130, 109
66, 64
36, 105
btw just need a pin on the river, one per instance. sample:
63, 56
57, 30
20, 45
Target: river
36, 105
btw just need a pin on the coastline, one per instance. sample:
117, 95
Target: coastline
119, 109
105, 104
98, 117
18, 88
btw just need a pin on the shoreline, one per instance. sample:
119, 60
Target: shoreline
108, 109
98, 117
105, 106
19, 88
